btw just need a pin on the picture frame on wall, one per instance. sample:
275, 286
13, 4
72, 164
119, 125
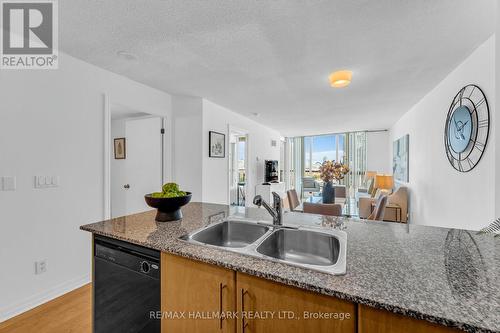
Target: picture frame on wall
120, 148
400, 159
216, 144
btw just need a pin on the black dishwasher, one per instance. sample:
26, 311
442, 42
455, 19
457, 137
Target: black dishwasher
126, 287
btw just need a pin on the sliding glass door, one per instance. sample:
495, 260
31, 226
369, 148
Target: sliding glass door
355, 158
320, 148
309, 152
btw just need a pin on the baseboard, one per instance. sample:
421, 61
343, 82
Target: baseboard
43, 297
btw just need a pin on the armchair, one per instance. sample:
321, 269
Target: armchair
398, 198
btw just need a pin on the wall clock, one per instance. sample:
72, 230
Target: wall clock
467, 128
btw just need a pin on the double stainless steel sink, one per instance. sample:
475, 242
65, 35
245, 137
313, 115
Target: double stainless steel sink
316, 249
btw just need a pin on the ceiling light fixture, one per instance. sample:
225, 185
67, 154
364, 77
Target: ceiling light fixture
126, 55
340, 79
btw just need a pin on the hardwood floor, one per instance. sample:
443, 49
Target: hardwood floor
69, 313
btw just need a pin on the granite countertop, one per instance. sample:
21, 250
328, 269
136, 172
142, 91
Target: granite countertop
447, 276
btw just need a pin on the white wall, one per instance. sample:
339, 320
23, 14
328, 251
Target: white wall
377, 154
51, 123
187, 140
216, 170
440, 195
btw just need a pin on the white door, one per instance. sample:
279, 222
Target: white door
140, 172
233, 173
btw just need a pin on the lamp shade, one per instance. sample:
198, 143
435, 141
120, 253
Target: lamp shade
384, 182
370, 174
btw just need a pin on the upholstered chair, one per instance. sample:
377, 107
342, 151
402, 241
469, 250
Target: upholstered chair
293, 199
399, 197
323, 209
340, 191
378, 212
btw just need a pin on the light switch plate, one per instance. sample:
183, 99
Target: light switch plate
9, 183
46, 181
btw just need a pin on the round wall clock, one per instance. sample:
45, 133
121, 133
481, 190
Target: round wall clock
467, 128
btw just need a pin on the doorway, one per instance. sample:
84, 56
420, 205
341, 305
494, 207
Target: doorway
136, 158
238, 166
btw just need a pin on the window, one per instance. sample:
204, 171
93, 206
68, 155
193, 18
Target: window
306, 154
320, 148
241, 159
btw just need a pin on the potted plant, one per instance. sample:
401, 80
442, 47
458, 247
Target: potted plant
329, 171
168, 202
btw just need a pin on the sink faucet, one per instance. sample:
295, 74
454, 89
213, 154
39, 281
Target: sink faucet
275, 211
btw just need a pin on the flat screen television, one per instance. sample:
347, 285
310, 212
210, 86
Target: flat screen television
272, 171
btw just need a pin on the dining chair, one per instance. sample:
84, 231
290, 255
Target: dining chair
379, 210
293, 199
322, 209
340, 191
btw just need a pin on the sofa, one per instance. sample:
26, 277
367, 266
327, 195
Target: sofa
399, 198
310, 185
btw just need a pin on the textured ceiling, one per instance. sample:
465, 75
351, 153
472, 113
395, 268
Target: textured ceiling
273, 57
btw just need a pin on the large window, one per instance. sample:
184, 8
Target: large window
356, 151
306, 154
320, 148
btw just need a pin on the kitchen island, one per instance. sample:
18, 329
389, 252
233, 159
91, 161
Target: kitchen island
445, 278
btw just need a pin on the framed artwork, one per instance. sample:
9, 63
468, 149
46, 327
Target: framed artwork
216, 144
120, 149
400, 158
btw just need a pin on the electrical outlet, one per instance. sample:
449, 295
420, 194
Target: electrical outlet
40, 266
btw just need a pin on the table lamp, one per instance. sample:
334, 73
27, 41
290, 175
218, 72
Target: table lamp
384, 182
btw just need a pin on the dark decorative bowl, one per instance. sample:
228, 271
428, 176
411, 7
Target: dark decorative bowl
169, 209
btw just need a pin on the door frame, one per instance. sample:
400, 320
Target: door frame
107, 158
240, 132
107, 141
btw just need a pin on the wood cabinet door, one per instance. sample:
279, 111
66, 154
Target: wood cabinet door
266, 306
193, 293
373, 320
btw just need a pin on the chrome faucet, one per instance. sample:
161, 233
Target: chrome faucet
275, 211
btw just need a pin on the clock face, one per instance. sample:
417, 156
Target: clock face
460, 129
467, 128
